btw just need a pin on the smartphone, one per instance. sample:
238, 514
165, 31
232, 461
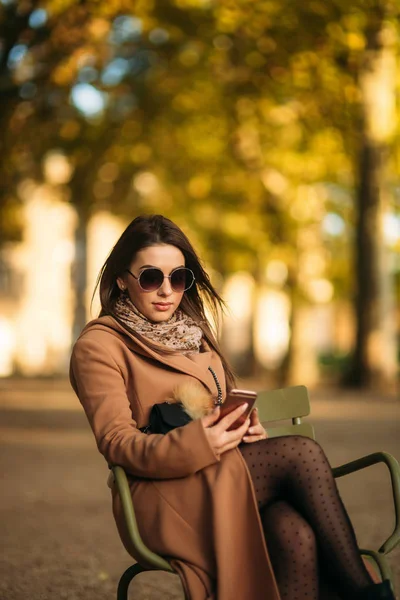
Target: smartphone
234, 399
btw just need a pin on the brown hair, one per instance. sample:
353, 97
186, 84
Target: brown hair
149, 230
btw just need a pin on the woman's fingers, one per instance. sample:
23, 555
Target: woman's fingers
211, 418
231, 417
256, 430
249, 439
220, 439
254, 420
239, 432
231, 439
255, 433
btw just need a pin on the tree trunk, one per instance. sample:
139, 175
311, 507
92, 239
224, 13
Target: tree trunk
374, 360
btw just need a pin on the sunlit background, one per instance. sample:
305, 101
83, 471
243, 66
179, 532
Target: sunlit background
267, 130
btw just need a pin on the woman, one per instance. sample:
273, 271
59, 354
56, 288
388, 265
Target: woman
207, 498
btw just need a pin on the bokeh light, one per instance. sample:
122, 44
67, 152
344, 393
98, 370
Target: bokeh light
38, 18
88, 99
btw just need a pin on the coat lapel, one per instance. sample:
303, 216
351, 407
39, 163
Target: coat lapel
196, 368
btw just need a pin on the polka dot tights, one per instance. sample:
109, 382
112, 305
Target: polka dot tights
303, 518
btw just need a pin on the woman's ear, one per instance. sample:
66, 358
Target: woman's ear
121, 284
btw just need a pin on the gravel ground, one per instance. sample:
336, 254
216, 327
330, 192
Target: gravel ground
57, 531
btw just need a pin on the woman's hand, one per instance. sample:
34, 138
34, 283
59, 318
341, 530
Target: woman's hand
220, 439
256, 431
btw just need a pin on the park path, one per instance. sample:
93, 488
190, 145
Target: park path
58, 536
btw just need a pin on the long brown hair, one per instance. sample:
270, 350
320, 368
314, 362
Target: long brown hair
149, 230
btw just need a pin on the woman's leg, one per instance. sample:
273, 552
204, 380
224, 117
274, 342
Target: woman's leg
295, 469
292, 549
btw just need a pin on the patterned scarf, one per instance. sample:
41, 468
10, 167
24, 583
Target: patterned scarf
180, 332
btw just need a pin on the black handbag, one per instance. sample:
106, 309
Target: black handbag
169, 415
166, 416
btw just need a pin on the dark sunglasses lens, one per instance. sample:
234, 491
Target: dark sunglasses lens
151, 279
181, 280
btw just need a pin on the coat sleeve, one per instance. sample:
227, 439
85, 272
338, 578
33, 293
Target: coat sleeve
100, 387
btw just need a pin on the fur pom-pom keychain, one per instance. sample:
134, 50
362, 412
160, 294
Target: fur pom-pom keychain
196, 400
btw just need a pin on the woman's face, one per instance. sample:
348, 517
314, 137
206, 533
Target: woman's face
160, 305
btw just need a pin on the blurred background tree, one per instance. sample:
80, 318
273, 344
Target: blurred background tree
266, 129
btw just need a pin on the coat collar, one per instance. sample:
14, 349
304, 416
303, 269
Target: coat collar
196, 368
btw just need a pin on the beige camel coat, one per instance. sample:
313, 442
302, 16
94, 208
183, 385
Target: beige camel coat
192, 507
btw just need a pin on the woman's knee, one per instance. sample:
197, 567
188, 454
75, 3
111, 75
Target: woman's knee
305, 540
306, 444
288, 533
308, 454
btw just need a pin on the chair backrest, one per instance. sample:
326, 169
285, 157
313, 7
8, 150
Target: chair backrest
281, 405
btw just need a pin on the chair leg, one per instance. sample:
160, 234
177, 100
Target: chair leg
123, 585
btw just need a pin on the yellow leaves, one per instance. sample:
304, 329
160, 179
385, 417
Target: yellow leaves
348, 34
274, 181
355, 20
307, 205
291, 136
222, 42
352, 93
266, 45
335, 31
140, 153
117, 153
327, 141
355, 41
193, 3
302, 64
70, 130
146, 183
131, 129
185, 101
57, 7
190, 55
200, 186
203, 137
108, 172
281, 114
319, 8
269, 7
99, 28
23, 111
255, 60
234, 181
235, 226
304, 60
114, 7
207, 214
246, 230
65, 72
248, 145
229, 17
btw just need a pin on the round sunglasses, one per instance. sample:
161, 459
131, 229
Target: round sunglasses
152, 278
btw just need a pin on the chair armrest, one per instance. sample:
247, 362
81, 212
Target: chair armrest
394, 470
142, 554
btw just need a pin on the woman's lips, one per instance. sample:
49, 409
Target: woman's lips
162, 306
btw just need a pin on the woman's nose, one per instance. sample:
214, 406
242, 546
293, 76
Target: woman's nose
165, 289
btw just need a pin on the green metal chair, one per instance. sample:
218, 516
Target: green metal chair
291, 404
146, 559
